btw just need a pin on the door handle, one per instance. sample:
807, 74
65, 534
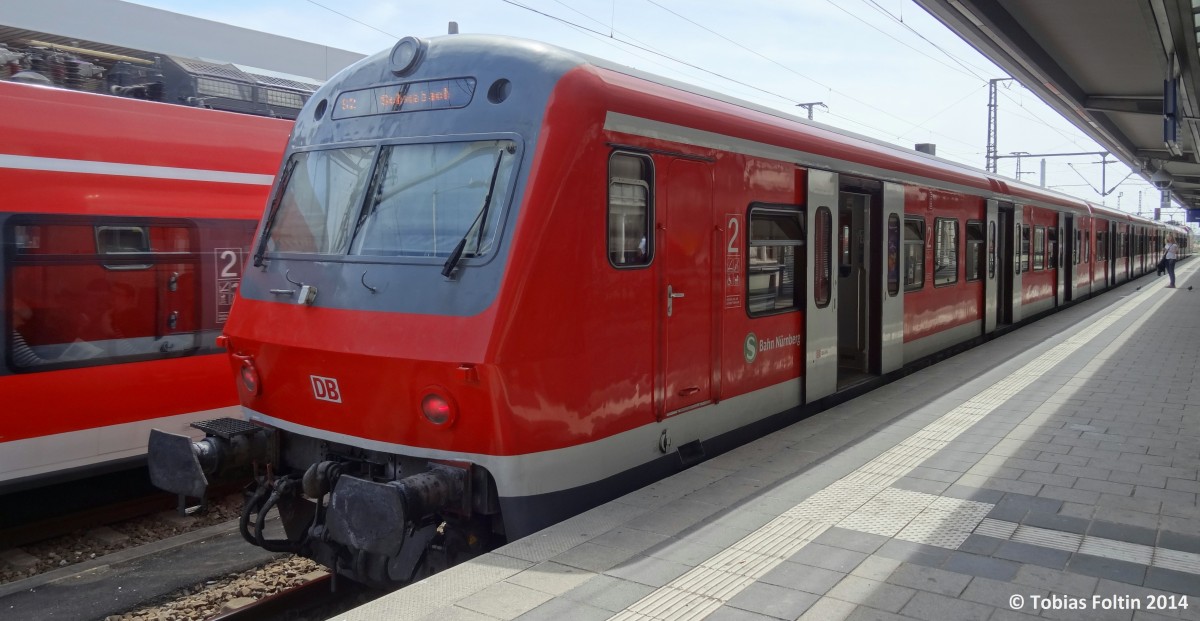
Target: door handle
689, 391
671, 295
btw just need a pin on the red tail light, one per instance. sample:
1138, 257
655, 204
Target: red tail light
437, 409
249, 374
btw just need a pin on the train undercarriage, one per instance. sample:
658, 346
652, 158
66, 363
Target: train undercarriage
376, 518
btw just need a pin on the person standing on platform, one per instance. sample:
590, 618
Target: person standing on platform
1172, 252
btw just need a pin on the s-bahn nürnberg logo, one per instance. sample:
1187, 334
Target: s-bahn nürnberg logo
751, 347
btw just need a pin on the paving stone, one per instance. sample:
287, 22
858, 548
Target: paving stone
1179, 541
926, 605
929, 579
773, 601
504, 600
803, 577
593, 557
871, 593
559, 609
1056, 522
920, 485
1164, 495
1125, 516
983, 566
827, 609
1107, 568
1036, 555
876, 568
863, 613
998, 593
980, 544
851, 540
916, 553
552, 578
1056, 581
826, 557
1082, 496
608, 593
1123, 532
648, 570
1172, 581
630, 539
962, 492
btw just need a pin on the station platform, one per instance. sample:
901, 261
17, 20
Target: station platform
1049, 473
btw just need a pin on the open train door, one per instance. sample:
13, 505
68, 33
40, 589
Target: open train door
821, 331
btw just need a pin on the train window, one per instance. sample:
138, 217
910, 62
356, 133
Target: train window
914, 254
776, 239
1087, 247
945, 251
319, 206
991, 251
1075, 254
123, 240
1101, 248
1025, 248
1039, 248
975, 249
428, 199
893, 255
823, 263
75, 300
630, 239
1052, 248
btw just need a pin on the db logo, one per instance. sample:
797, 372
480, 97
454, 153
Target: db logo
326, 389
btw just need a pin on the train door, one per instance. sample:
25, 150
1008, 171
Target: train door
1063, 255
888, 264
991, 283
1007, 263
853, 306
1020, 256
687, 328
821, 331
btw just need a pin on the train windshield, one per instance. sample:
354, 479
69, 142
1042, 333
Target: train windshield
413, 200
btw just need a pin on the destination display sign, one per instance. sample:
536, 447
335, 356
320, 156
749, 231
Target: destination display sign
408, 97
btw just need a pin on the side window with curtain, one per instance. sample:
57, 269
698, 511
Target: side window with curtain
630, 212
914, 254
893, 255
823, 253
776, 241
1025, 248
1039, 248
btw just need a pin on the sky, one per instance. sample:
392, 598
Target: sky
882, 68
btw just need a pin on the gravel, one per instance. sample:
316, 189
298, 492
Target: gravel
207, 599
82, 545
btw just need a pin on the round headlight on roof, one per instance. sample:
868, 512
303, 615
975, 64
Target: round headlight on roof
406, 55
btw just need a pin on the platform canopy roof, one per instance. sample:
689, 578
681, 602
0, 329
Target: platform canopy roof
1104, 65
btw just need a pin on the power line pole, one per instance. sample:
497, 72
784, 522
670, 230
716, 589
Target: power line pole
990, 158
809, 106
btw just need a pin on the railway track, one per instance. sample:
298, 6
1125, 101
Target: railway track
315, 599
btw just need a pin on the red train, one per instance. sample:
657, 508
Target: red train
499, 283
125, 225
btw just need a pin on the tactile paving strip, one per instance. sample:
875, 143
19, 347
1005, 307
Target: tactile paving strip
1165, 558
863, 499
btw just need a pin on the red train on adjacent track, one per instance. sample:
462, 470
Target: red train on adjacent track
499, 283
125, 225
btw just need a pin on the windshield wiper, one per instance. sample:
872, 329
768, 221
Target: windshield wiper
456, 254
284, 180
